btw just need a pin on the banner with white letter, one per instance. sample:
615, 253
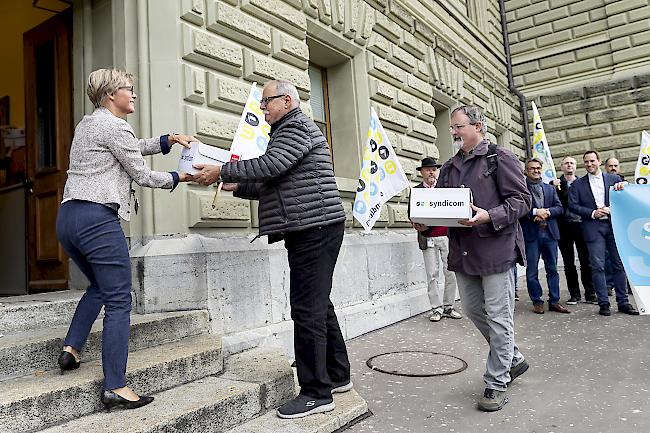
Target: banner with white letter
381, 175
630, 210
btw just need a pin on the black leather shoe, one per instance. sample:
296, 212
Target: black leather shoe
112, 400
67, 361
605, 311
628, 309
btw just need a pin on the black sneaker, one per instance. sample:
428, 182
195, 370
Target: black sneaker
304, 405
344, 387
518, 370
492, 400
572, 301
605, 311
591, 299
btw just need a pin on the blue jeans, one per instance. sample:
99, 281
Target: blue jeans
545, 246
92, 236
602, 247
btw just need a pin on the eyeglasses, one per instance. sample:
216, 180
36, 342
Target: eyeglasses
266, 99
457, 127
129, 88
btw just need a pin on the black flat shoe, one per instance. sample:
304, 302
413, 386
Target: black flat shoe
67, 361
112, 400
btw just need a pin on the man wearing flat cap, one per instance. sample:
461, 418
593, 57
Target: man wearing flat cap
434, 244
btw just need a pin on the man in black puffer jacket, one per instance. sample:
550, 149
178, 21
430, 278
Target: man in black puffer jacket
300, 203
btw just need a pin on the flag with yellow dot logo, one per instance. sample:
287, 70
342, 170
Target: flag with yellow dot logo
642, 172
381, 175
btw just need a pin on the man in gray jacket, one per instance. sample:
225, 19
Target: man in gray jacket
300, 204
484, 253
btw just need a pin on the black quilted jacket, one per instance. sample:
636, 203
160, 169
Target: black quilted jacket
294, 179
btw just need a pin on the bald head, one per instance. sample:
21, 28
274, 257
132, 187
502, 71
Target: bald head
278, 98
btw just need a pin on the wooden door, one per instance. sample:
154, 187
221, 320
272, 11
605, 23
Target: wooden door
48, 133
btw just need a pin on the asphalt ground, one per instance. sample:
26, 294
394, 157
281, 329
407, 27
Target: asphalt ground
588, 374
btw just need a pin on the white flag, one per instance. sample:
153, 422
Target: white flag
252, 135
381, 175
541, 150
642, 172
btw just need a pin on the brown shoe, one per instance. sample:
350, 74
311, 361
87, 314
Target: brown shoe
538, 308
558, 308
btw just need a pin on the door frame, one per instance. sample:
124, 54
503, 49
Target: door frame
48, 272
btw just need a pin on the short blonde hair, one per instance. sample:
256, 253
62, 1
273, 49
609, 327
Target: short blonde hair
104, 82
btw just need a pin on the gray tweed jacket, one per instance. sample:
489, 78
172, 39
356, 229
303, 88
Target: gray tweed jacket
105, 157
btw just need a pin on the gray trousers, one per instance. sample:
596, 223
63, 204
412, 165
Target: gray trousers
489, 302
440, 296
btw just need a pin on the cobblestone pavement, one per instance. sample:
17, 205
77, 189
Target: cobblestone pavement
588, 374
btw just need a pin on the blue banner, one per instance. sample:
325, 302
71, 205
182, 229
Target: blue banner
630, 209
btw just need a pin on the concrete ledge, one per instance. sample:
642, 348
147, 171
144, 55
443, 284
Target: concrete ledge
269, 369
22, 313
35, 402
37, 350
207, 405
349, 406
354, 320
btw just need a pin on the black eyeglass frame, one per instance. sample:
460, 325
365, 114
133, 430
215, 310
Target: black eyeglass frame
131, 88
267, 99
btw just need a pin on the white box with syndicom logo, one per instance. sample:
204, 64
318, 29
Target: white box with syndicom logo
201, 153
440, 206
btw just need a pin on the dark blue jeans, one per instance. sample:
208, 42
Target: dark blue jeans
545, 246
602, 247
321, 356
92, 236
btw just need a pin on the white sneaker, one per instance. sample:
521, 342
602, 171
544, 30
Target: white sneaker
342, 388
435, 316
452, 314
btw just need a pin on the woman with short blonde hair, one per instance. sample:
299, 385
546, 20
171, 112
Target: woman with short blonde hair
105, 157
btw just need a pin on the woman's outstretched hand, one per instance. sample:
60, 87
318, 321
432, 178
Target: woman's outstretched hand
183, 140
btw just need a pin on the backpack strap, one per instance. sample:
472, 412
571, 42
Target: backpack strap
492, 165
492, 161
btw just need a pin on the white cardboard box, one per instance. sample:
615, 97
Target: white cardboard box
440, 206
201, 153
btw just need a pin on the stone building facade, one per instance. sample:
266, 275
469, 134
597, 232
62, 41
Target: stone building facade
587, 65
410, 60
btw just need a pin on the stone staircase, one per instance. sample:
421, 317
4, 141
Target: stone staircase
172, 356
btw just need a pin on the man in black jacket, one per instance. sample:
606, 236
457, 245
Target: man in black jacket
300, 204
571, 234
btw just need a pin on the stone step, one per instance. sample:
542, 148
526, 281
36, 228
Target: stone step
35, 402
37, 350
22, 313
251, 382
350, 407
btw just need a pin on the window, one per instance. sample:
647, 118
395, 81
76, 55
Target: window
444, 142
319, 100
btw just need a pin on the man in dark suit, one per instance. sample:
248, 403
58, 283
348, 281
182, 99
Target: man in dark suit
570, 227
589, 198
541, 234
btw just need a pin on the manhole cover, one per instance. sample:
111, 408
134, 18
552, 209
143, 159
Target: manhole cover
414, 363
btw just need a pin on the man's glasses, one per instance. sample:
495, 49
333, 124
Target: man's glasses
129, 88
453, 128
266, 99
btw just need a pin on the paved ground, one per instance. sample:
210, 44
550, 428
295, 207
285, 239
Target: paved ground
588, 374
